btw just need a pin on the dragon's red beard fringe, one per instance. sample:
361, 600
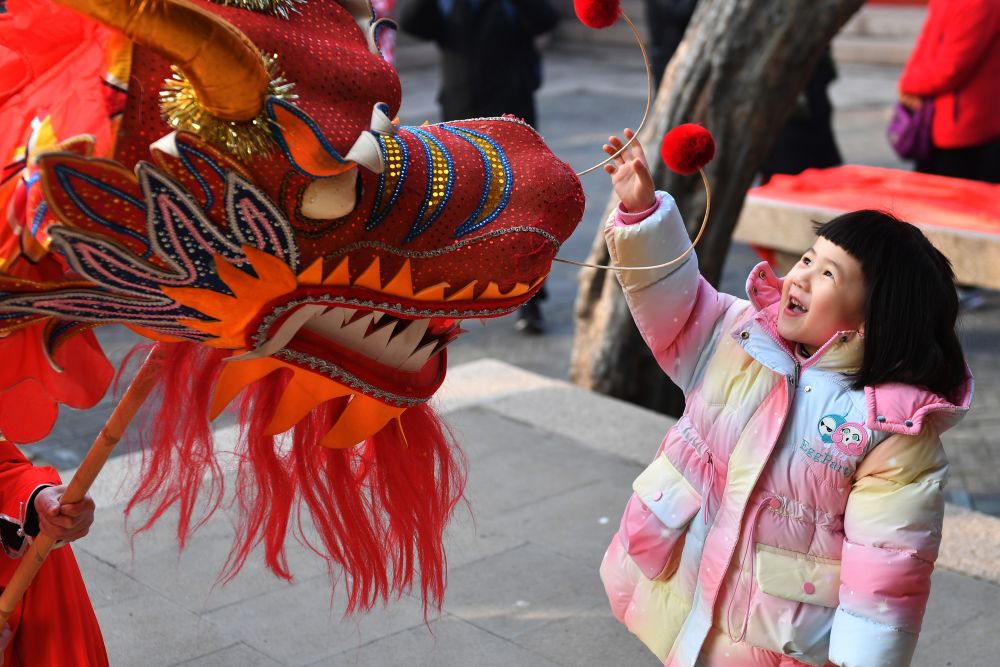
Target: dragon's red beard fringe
379, 509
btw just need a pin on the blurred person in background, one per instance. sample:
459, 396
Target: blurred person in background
490, 66
806, 141
955, 66
666, 21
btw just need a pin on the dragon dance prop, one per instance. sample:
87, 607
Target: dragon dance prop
226, 179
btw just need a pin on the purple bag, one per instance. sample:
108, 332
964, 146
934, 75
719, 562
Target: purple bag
909, 131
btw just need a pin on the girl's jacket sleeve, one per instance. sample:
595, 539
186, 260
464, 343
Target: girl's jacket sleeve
19, 482
892, 528
679, 314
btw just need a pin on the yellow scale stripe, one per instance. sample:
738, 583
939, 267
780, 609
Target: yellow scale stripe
393, 169
439, 179
499, 177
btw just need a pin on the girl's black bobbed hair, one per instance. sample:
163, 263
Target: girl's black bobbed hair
911, 305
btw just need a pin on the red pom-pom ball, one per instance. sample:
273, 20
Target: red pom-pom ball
687, 148
598, 14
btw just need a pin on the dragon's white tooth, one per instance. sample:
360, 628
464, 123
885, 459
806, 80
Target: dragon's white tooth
374, 344
284, 333
356, 330
419, 357
335, 317
378, 315
329, 323
402, 345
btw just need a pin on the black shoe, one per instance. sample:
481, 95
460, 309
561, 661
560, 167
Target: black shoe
529, 318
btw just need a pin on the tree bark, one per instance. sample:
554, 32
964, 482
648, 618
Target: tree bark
738, 71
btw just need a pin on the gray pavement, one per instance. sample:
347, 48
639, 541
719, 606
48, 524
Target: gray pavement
550, 469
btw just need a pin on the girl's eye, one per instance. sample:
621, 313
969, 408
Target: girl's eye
806, 261
828, 274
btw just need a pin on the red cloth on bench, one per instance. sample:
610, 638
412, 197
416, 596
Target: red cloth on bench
923, 199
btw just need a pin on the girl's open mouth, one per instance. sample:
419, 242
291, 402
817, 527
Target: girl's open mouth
795, 307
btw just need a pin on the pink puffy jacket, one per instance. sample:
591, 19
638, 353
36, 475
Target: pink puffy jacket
786, 517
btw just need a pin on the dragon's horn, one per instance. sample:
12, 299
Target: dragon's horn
222, 64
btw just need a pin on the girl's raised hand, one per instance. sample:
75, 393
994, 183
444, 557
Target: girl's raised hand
630, 174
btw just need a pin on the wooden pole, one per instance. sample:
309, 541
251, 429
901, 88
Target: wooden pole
136, 394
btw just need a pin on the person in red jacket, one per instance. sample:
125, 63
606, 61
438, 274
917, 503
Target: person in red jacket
54, 624
956, 66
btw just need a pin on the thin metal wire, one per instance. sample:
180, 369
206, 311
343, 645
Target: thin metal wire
649, 98
679, 258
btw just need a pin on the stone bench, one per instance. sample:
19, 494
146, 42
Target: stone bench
961, 218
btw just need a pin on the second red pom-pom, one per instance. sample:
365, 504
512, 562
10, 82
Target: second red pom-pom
597, 14
687, 148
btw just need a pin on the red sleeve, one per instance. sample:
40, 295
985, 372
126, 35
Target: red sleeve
967, 32
18, 480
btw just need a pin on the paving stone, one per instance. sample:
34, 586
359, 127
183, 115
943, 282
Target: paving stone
958, 625
240, 654
521, 590
448, 642
469, 538
577, 524
593, 638
580, 415
970, 544
151, 631
302, 624
190, 577
106, 584
520, 464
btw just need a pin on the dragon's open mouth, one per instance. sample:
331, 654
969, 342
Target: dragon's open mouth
395, 359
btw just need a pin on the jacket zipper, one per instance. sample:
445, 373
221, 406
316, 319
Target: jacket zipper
794, 379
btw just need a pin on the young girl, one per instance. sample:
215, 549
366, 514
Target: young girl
793, 514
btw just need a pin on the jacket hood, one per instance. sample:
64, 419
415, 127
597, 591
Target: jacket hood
893, 407
764, 286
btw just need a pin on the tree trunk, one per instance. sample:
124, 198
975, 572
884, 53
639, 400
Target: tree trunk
738, 71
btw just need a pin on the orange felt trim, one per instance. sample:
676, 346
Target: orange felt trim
340, 275
234, 314
303, 393
402, 284
313, 275
236, 376
371, 278
363, 418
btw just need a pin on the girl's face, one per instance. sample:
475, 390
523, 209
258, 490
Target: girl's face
823, 294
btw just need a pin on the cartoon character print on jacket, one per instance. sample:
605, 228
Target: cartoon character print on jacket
849, 438
843, 441
828, 425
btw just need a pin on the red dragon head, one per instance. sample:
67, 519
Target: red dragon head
314, 234
264, 217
